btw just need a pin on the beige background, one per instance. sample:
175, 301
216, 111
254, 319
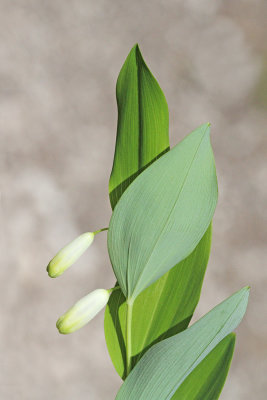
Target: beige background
59, 61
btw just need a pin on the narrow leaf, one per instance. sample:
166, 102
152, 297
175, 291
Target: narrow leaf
163, 369
143, 122
207, 380
163, 214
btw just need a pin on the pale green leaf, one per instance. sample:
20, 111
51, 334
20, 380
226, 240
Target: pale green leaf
207, 380
163, 214
160, 311
165, 366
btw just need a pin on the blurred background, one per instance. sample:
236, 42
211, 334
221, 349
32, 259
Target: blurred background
59, 62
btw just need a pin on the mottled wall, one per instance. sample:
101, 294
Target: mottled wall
59, 61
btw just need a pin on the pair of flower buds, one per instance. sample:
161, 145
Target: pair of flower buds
86, 308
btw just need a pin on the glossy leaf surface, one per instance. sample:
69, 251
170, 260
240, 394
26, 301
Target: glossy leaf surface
163, 214
165, 366
143, 123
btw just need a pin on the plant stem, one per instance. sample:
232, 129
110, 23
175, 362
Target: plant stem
100, 230
129, 336
114, 289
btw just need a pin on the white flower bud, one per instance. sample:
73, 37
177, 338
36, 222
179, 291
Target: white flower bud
69, 254
83, 311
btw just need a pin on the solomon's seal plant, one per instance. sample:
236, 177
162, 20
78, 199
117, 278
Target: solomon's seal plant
159, 238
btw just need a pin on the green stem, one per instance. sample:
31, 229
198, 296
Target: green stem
100, 230
129, 337
114, 288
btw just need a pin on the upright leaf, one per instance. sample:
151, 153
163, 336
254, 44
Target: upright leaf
165, 366
142, 137
163, 214
143, 123
207, 380
160, 311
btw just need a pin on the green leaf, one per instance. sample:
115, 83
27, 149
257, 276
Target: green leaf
208, 378
165, 366
142, 137
163, 214
143, 122
160, 311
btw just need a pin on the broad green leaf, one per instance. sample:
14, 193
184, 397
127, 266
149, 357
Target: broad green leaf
207, 380
143, 122
163, 214
160, 311
163, 369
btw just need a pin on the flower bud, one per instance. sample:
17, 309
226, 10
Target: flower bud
83, 311
69, 254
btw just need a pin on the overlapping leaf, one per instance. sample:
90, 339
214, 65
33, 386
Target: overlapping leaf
163, 214
207, 380
165, 307
162, 310
165, 366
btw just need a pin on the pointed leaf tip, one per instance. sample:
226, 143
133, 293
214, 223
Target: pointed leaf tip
160, 209
143, 121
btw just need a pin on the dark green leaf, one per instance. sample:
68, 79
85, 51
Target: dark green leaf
143, 122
